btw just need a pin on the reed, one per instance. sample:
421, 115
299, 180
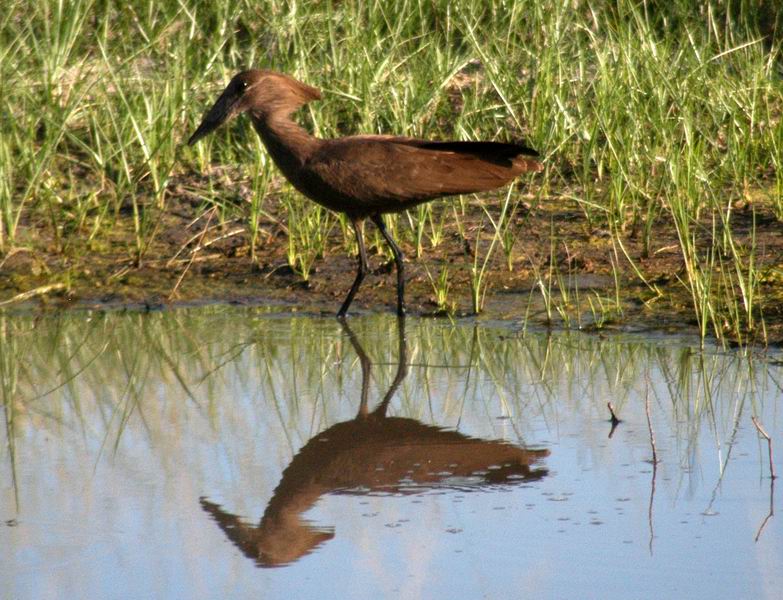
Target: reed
649, 115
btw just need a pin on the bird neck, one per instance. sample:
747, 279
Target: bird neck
289, 144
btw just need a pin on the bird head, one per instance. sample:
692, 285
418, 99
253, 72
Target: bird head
263, 93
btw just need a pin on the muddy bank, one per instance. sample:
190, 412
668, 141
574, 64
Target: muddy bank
560, 269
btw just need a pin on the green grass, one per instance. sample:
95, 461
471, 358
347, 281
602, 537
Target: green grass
647, 113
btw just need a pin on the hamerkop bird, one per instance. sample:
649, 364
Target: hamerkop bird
366, 175
372, 453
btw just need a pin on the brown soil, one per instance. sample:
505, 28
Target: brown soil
555, 239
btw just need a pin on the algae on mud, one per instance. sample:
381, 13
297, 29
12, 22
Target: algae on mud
569, 274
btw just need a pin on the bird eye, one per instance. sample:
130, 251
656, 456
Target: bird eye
243, 85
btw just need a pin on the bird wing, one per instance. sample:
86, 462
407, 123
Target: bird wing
367, 174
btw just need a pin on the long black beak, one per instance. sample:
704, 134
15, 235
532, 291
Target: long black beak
224, 108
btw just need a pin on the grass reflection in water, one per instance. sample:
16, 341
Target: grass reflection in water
256, 413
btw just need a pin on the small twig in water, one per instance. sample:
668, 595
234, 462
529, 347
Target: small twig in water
614, 420
650, 428
654, 465
771, 512
765, 435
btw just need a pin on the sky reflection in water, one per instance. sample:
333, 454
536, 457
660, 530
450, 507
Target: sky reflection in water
172, 454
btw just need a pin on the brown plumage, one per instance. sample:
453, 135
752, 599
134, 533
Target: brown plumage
362, 176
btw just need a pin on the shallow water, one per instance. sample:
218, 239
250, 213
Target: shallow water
227, 452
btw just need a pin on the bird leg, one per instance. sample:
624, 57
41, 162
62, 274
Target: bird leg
402, 368
358, 228
366, 364
378, 220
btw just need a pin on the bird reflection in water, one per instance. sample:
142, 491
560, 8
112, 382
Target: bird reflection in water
371, 454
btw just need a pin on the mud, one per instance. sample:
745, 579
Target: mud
555, 246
